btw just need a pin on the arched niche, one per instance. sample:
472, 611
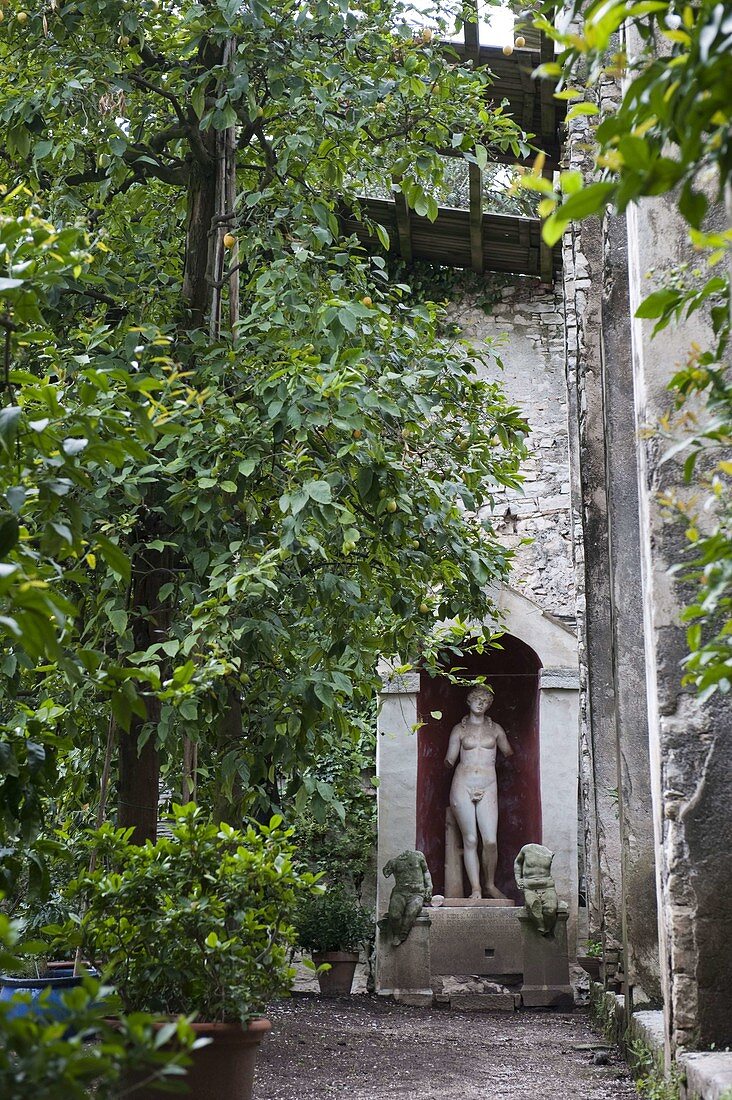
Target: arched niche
513, 673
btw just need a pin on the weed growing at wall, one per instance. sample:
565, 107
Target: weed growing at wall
651, 1082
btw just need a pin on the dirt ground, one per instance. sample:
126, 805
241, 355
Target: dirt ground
364, 1048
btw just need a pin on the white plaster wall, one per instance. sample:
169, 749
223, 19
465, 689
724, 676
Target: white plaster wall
396, 768
559, 736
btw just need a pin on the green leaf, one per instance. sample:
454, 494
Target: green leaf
655, 304
9, 424
319, 491
693, 205
589, 200
115, 558
118, 619
581, 109
383, 236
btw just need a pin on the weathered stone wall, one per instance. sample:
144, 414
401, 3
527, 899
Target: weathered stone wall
524, 322
615, 765
691, 748
583, 281
665, 757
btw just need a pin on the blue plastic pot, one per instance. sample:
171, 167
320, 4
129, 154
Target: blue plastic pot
23, 995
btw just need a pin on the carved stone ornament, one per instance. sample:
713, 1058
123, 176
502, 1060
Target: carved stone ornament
532, 869
412, 889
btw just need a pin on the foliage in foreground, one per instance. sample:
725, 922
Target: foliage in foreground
281, 500
44, 1058
671, 133
199, 922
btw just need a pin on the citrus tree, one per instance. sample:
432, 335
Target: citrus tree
308, 483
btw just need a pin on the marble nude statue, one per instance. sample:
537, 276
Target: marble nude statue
471, 751
412, 889
533, 875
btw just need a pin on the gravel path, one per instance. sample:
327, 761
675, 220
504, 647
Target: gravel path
364, 1048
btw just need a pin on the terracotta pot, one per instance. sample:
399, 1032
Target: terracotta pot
224, 1068
591, 965
339, 979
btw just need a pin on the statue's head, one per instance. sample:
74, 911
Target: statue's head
480, 693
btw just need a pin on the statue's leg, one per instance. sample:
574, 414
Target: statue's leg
487, 815
535, 905
397, 906
411, 911
464, 810
550, 905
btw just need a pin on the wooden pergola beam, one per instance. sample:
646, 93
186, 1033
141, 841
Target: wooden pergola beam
475, 180
404, 226
471, 30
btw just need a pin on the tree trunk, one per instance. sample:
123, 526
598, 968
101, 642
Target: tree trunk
139, 769
201, 213
230, 735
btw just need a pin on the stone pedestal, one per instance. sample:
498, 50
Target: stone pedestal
404, 972
481, 940
545, 965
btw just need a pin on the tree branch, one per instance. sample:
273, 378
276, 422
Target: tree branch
177, 107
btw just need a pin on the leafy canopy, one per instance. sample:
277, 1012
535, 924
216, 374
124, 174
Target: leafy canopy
273, 507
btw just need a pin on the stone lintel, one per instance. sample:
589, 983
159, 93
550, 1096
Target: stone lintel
564, 679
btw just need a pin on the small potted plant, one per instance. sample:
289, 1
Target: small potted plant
197, 924
332, 927
590, 961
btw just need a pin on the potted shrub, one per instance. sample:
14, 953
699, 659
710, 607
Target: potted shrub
332, 927
590, 961
196, 924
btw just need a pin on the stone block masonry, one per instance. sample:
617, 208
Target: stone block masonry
524, 326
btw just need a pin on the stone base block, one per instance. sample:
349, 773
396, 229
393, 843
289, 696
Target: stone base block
708, 1075
546, 996
483, 940
485, 1002
546, 965
418, 998
404, 971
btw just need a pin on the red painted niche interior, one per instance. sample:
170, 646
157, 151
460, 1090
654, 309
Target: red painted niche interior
512, 672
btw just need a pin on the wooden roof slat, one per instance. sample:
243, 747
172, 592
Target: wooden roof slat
509, 243
468, 237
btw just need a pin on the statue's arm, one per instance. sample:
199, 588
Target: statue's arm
502, 741
453, 747
427, 878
